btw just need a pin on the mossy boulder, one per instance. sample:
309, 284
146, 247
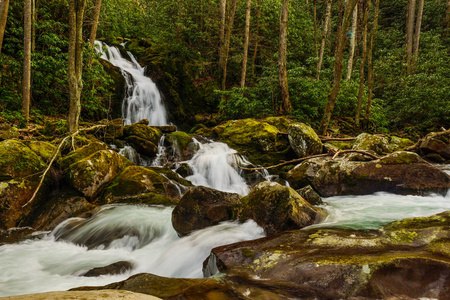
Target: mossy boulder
366, 141
201, 207
281, 123
8, 132
81, 153
310, 195
408, 259
182, 144
140, 185
44, 150
18, 160
142, 146
143, 131
436, 143
277, 208
90, 175
400, 172
304, 140
397, 143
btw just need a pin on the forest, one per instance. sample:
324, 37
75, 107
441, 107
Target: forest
343, 66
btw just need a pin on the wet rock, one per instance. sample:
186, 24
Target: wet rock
15, 235
366, 141
90, 175
143, 146
438, 143
184, 170
81, 153
277, 208
407, 259
112, 269
140, 185
182, 144
91, 295
434, 157
304, 140
201, 207
400, 172
8, 132
166, 128
143, 131
310, 195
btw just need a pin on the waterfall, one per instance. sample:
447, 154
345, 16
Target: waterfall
142, 99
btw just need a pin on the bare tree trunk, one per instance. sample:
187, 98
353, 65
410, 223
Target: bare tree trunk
369, 61
410, 34
363, 62
287, 106
95, 18
33, 25
337, 71
417, 33
258, 25
340, 14
229, 27
223, 12
246, 39
352, 43
316, 47
75, 61
3, 16
26, 82
324, 37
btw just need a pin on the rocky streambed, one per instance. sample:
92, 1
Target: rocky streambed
254, 244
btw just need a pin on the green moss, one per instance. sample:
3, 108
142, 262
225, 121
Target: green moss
81, 153
400, 157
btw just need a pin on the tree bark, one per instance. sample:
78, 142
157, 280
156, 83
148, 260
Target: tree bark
95, 18
316, 47
75, 61
410, 34
352, 43
447, 15
26, 82
229, 27
258, 25
223, 12
324, 37
417, 33
246, 39
369, 62
33, 25
3, 16
337, 71
363, 62
282, 62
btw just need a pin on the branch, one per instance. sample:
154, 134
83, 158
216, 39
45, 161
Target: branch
325, 139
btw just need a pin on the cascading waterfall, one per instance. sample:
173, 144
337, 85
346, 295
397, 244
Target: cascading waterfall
142, 100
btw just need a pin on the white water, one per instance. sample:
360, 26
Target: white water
131, 154
215, 166
142, 100
50, 264
376, 210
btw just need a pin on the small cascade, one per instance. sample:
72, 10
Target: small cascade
131, 154
161, 157
142, 100
215, 165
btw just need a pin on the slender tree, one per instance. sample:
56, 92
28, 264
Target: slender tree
282, 60
223, 14
369, 61
326, 24
315, 28
258, 25
95, 18
229, 27
352, 43
33, 25
75, 61
337, 70
417, 32
26, 82
246, 39
410, 34
363, 62
4, 5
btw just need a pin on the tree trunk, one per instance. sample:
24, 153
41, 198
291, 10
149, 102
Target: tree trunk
287, 106
95, 18
363, 62
227, 43
341, 11
316, 47
258, 25
246, 39
75, 60
417, 33
324, 37
369, 62
223, 12
352, 43
447, 15
410, 34
3, 16
33, 25
26, 82
337, 71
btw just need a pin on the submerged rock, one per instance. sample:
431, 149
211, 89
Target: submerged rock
406, 259
112, 269
400, 172
304, 140
277, 208
201, 207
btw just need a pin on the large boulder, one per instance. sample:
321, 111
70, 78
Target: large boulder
397, 143
400, 172
277, 208
81, 153
436, 143
304, 141
366, 141
182, 144
44, 150
143, 131
7, 131
140, 185
90, 175
407, 259
142, 146
201, 207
